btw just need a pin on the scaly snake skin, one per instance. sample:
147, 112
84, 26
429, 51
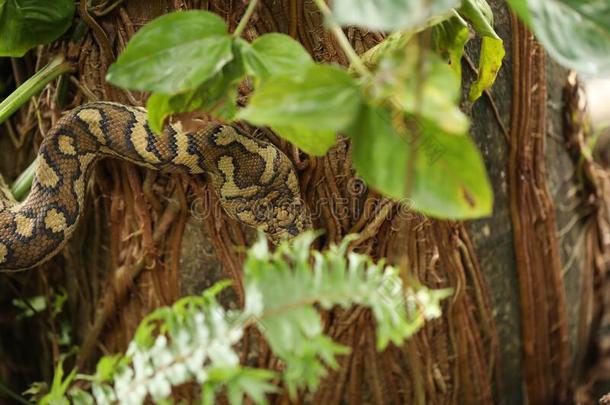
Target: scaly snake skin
256, 183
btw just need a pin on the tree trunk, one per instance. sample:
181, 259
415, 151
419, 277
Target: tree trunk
527, 280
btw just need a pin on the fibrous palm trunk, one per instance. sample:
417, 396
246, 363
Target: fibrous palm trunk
527, 280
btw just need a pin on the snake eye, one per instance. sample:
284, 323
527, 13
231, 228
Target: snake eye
293, 230
261, 212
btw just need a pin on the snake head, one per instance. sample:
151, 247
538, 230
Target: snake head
290, 220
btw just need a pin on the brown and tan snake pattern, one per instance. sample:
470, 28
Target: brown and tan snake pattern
256, 183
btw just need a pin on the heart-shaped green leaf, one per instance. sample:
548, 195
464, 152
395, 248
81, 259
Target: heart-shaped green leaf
446, 179
574, 32
306, 108
174, 53
389, 15
281, 54
27, 23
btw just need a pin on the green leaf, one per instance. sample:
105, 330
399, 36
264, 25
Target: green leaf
281, 55
174, 53
216, 96
106, 367
59, 386
480, 15
254, 383
159, 108
379, 155
27, 23
440, 91
389, 15
286, 285
30, 306
576, 33
490, 62
492, 52
391, 44
422, 84
449, 39
306, 108
81, 397
253, 63
448, 176
397, 41
240, 382
326, 98
196, 340
315, 142
521, 8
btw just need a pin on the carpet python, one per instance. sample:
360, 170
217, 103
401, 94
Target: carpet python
256, 182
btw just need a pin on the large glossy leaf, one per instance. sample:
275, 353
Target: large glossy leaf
574, 32
446, 179
388, 15
379, 155
27, 23
419, 82
450, 177
313, 141
325, 97
440, 92
253, 62
307, 109
174, 53
281, 54
216, 96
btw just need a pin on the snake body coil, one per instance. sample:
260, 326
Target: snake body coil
255, 181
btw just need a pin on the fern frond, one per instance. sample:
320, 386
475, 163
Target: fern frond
195, 339
283, 286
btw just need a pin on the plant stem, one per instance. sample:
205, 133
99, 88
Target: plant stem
336, 30
21, 186
244, 20
57, 67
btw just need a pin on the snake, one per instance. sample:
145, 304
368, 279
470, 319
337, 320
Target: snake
256, 182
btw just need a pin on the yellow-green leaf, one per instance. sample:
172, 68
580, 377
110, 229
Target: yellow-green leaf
479, 13
490, 62
439, 174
